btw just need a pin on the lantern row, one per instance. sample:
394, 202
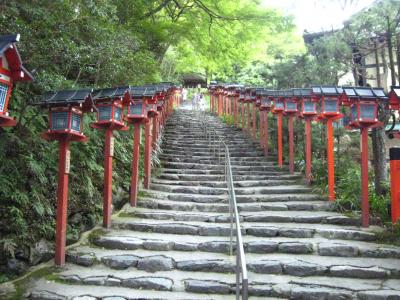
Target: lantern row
320, 103
115, 108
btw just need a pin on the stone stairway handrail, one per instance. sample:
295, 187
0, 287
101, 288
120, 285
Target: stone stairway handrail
242, 282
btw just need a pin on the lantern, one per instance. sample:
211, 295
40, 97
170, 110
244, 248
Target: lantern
266, 102
290, 104
137, 109
66, 110
110, 104
394, 97
11, 70
329, 102
279, 102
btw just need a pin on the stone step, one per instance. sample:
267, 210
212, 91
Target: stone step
222, 183
216, 178
271, 194
126, 240
210, 152
263, 285
242, 207
215, 161
291, 230
262, 216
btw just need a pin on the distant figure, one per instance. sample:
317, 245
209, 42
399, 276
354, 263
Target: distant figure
202, 102
184, 94
194, 101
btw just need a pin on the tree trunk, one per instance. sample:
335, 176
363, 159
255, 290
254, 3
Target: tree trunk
398, 57
377, 68
390, 50
379, 157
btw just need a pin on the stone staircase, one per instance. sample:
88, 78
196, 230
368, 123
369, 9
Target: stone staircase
175, 244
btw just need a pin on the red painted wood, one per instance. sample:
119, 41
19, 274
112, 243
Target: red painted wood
280, 146
262, 141
308, 150
291, 144
135, 164
254, 120
364, 177
235, 110
243, 116
266, 133
248, 123
62, 202
395, 189
147, 155
155, 132
107, 194
330, 159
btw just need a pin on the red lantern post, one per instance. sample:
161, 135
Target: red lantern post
328, 97
66, 110
265, 107
277, 110
290, 110
136, 115
11, 70
364, 115
110, 112
394, 156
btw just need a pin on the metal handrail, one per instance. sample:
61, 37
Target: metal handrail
242, 282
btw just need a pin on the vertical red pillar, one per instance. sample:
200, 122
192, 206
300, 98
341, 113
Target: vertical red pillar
262, 129
235, 110
211, 102
248, 127
147, 155
266, 133
330, 159
243, 116
394, 155
291, 144
254, 120
220, 103
364, 177
280, 146
308, 150
62, 201
155, 132
135, 164
108, 155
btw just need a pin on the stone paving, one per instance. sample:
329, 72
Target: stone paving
175, 244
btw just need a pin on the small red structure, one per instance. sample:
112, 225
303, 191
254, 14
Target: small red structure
364, 115
394, 156
66, 109
241, 101
278, 108
265, 108
328, 100
11, 70
110, 104
308, 111
136, 115
291, 111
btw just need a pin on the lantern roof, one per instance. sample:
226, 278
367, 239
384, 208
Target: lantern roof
296, 93
395, 90
306, 92
143, 91
110, 93
82, 97
380, 93
14, 61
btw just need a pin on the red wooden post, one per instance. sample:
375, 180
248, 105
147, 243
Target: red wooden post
135, 164
62, 200
155, 132
235, 110
291, 144
243, 116
248, 118
308, 149
147, 155
254, 120
108, 155
330, 159
211, 102
280, 146
394, 155
364, 176
266, 133
262, 129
